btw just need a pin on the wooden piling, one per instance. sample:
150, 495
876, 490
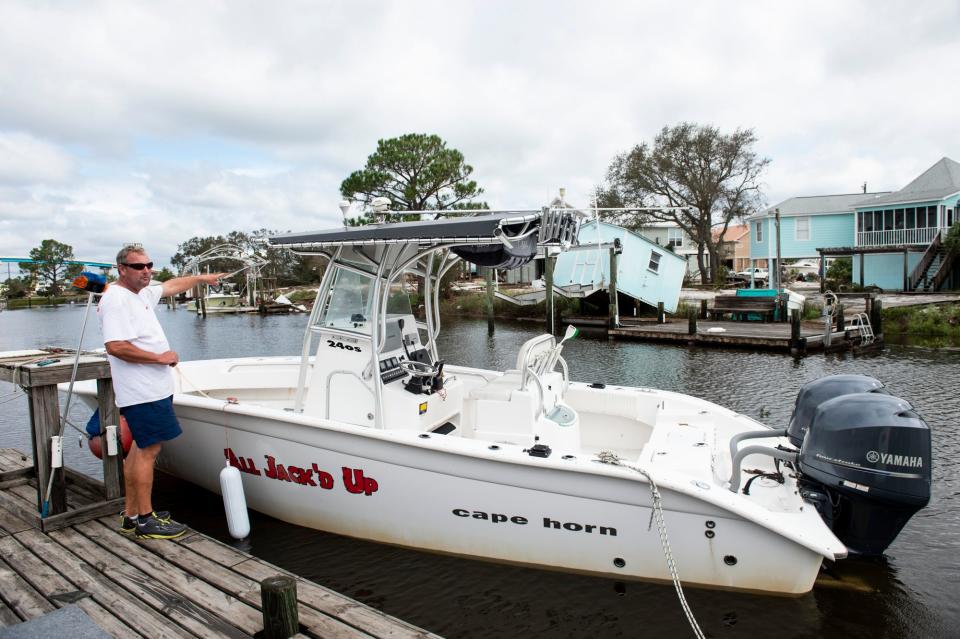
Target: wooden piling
489, 301
112, 464
45, 418
661, 315
795, 331
841, 322
692, 322
613, 311
703, 309
279, 597
876, 316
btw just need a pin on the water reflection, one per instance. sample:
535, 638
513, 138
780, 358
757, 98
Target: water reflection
911, 593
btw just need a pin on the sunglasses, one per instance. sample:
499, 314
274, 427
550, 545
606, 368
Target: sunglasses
139, 266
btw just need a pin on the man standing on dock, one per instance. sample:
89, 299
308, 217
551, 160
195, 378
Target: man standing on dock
140, 364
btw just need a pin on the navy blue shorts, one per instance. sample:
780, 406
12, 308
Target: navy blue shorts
152, 422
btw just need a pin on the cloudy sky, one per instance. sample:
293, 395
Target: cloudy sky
158, 121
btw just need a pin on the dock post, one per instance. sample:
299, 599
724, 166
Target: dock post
796, 347
876, 316
703, 309
661, 317
489, 301
278, 595
112, 464
549, 263
45, 418
613, 310
841, 323
692, 322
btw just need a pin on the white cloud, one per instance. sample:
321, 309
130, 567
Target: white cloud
24, 160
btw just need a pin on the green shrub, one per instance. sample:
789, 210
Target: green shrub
952, 241
841, 271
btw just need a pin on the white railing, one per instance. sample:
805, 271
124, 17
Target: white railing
896, 237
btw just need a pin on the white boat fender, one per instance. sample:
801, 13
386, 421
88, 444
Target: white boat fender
234, 502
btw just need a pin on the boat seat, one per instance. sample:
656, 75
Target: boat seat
509, 408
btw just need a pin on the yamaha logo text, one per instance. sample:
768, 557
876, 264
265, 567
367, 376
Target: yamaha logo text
906, 461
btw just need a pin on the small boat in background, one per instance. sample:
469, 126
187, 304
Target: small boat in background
223, 302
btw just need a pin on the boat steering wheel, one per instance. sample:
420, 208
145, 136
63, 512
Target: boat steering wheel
417, 369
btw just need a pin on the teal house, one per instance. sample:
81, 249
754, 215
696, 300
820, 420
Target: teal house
898, 237
894, 238
646, 270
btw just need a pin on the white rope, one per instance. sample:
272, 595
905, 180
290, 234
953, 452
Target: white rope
607, 457
184, 378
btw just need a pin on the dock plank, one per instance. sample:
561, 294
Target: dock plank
7, 616
10, 523
56, 589
15, 505
190, 601
20, 596
10, 459
212, 549
108, 594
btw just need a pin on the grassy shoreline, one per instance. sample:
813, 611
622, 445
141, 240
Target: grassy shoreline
928, 320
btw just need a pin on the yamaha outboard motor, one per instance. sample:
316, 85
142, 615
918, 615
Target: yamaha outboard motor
817, 392
864, 463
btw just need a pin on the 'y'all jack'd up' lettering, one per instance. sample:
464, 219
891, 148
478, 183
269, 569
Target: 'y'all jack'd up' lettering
354, 480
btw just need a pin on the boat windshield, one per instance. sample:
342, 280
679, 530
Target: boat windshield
398, 303
349, 302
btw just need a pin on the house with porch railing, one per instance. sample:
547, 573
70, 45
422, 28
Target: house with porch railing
899, 236
894, 238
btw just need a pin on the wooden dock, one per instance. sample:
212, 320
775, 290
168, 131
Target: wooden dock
194, 586
770, 336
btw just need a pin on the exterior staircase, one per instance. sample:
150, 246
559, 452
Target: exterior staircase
933, 268
926, 280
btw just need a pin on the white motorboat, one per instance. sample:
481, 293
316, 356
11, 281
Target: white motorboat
222, 302
369, 433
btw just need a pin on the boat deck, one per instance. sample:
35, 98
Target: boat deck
194, 586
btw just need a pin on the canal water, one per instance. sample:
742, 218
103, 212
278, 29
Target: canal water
912, 592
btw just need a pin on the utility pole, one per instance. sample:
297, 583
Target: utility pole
771, 275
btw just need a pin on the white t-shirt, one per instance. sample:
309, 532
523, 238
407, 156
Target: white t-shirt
130, 317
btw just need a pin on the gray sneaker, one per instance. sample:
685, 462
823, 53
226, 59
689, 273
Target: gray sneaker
127, 525
153, 527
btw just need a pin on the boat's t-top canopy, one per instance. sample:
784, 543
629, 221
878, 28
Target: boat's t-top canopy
501, 239
363, 287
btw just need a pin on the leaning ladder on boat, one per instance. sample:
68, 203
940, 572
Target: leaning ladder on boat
606, 457
862, 320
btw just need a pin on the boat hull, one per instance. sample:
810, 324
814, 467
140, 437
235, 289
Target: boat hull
418, 493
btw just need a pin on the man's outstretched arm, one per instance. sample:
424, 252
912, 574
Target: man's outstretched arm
180, 284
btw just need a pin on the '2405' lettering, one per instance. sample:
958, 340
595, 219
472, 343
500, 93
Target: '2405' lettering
333, 344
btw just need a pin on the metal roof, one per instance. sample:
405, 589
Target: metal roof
818, 204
